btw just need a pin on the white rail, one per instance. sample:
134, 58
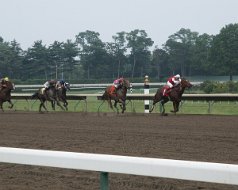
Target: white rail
177, 169
98, 85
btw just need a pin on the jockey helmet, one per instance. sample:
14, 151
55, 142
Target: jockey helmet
6, 79
61, 82
177, 76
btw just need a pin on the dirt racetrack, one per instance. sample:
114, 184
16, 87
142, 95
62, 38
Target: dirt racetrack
183, 137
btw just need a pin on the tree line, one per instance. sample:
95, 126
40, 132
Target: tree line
129, 54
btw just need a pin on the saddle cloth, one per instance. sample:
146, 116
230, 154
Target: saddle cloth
166, 90
112, 90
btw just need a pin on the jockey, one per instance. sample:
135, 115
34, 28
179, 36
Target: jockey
5, 79
60, 84
118, 82
3, 82
48, 84
172, 82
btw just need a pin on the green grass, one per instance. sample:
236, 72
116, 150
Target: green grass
137, 106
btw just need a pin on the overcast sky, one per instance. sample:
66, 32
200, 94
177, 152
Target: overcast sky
27, 21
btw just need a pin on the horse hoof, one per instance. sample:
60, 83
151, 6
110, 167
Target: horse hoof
164, 114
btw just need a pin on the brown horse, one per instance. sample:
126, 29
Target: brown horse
118, 95
174, 95
5, 93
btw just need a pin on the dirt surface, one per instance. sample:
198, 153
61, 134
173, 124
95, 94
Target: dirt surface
181, 137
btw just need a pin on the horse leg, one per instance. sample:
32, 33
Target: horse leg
1, 106
162, 108
153, 105
110, 103
66, 105
11, 104
115, 106
123, 105
53, 104
58, 104
176, 107
42, 104
152, 108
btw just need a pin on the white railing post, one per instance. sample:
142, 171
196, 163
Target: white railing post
146, 92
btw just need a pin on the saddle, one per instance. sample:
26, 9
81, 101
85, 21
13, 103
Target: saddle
44, 90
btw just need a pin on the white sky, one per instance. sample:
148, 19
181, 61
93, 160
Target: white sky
27, 21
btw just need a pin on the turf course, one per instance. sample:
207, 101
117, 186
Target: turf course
137, 106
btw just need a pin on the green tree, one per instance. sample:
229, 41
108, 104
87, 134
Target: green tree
56, 59
160, 68
36, 62
224, 50
17, 59
69, 62
117, 50
180, 46
200, 60
139, 44
93, 55
11, 56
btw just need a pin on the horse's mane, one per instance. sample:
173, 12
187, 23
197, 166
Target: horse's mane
180, 88
9, 86
126, 83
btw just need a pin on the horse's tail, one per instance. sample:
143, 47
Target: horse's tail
104, 96
35, 95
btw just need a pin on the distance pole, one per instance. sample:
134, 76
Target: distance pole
146, 91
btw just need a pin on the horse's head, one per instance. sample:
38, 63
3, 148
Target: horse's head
66, 85
10, 85
126, 83
185, 83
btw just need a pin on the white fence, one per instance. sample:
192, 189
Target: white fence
176, 169
92, 86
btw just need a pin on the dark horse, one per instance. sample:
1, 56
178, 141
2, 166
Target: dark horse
47, 95
118, 95
5, 93
175, 95
61, 94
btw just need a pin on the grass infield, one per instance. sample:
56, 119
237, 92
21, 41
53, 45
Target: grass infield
136, 106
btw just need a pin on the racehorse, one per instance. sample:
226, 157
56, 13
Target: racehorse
118, 95
174, 95
61, 94
5, 93
47, 95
